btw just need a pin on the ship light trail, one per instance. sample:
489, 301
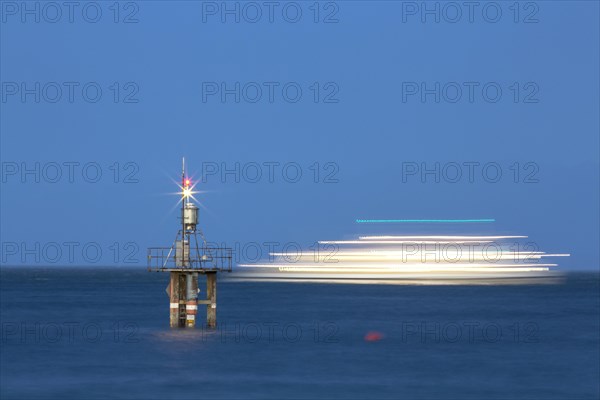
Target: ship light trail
416, 258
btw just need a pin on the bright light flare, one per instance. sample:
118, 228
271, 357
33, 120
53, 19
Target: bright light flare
186, 191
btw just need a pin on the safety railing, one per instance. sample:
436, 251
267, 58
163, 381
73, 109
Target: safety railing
196, 258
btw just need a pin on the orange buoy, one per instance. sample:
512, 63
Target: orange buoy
373, 336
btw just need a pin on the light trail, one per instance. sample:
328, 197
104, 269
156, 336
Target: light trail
439, 237
413, 268
400, 241
399, 257
378, 221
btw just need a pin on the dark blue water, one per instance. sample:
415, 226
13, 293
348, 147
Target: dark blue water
82, 333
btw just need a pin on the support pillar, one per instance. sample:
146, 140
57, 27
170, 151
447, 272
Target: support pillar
191, 304
182, 294
177, 300
174, 300
211, 298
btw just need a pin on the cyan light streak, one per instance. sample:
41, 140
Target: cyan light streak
379, 221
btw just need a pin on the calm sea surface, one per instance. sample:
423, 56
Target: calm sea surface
81, 333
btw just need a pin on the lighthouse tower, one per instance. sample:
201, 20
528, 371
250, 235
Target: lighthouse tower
187, 260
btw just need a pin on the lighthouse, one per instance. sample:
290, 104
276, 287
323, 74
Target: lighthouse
188, 259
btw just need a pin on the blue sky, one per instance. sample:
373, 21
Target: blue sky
362, 119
